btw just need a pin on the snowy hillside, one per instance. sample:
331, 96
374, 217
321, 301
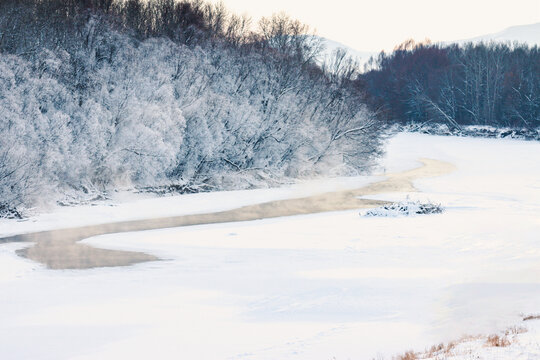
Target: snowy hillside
529, 34
330, 46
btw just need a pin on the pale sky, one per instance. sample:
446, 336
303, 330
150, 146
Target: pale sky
380, 24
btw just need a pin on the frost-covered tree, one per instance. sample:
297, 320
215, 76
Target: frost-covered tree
100, 94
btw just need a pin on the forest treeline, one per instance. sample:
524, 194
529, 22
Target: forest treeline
493, 84
100, 94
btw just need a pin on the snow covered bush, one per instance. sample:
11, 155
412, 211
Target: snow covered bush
472, 131
405, 208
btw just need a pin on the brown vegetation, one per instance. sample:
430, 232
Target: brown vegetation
409, 355
447, 350
497, 341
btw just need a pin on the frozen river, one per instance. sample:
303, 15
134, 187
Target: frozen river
320, 286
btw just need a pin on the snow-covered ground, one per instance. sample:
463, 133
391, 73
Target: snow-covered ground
322, 286
516, 343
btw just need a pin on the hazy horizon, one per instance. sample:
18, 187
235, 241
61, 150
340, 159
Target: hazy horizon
369, 26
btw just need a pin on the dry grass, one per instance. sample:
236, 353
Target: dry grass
435, 350
443, 351
409, 355
515, 330
497, 341
440, 349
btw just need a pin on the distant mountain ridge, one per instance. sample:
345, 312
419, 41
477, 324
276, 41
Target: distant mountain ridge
529, 34
330, 46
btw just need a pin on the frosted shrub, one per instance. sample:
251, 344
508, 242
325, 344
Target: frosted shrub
405, 208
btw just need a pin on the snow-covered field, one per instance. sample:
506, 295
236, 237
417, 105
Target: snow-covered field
323, 286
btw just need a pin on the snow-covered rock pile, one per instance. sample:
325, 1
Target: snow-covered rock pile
8, 212
474, 131
405, 208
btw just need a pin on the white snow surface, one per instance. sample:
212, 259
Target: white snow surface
323, 286
522, 344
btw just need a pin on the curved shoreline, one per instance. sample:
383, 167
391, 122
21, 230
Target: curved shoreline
61, 249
